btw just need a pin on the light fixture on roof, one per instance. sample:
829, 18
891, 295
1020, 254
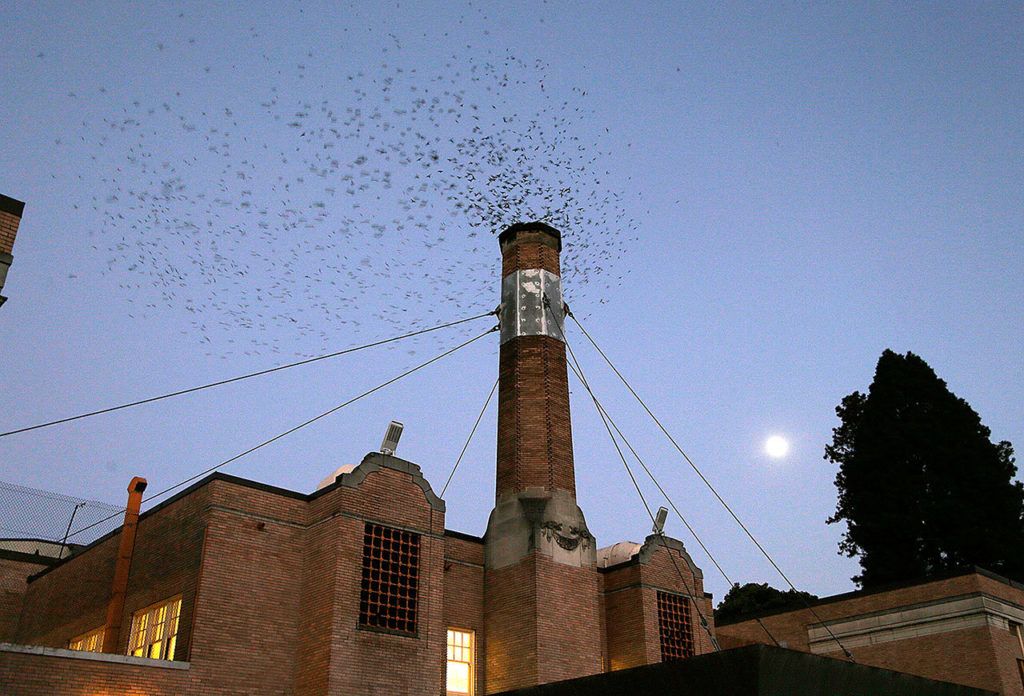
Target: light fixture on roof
659, 520
391, 438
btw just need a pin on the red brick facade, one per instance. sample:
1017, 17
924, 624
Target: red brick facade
631, 607
273, 584
10, 218
534, 430
8, 231
958, 629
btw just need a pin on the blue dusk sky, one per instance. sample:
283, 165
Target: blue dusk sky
756, 201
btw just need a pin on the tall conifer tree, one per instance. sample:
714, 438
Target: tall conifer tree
922, 488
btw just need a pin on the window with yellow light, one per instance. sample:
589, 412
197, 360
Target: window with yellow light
460, 662
155, 630
90, 641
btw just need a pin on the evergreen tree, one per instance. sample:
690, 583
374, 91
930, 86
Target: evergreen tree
746, 599
922, 488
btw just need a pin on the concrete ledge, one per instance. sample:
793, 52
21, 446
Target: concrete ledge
95, 657
914, 621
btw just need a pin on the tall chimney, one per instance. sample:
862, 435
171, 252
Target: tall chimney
122, 567
542, 619
10, 219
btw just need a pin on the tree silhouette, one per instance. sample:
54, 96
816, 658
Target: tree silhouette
743, 600
922, 488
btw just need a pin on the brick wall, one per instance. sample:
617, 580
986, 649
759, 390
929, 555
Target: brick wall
626, 618
510, 608
374, 662
71, 597
14, 571
568, 621
8, 231
247, 608
270, 582
631, 605
534, 429
464, 595
983, 657
543, 623
32, 675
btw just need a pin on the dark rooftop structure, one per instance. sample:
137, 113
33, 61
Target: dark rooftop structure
755, 670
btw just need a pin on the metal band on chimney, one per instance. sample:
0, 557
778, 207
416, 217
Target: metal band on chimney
522, 304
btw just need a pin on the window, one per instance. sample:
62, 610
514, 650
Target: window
88, 642
391, 566
460, 662
155, 630
674, 627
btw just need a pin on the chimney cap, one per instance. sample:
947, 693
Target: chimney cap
11, 206
511, 231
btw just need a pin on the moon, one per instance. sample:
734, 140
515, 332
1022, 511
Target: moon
776, 446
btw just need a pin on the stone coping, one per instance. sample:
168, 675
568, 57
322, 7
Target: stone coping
95, 657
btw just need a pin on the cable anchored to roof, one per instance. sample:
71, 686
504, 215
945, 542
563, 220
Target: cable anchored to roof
239, 378
711, 487
300, 426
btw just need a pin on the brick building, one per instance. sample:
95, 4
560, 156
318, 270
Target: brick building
10, 218
962, 627
233, 586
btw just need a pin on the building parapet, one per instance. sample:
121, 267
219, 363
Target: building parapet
93, 656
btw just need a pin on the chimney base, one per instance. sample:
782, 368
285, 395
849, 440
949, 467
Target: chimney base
537, 519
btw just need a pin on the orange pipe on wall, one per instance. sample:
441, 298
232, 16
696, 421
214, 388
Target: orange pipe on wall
122, 566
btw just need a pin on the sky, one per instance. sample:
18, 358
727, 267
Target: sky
756, 201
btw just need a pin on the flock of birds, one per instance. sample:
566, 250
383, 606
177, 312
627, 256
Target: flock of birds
301, 218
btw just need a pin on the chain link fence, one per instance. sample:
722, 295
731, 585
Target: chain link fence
29, 516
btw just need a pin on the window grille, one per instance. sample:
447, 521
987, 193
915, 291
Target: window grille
88, 642
460, 662
674, 627
391, 566
155, 630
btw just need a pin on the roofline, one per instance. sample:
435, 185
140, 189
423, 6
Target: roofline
23, 557
206, 480
888, 587
44, 541
462, 535
11, 206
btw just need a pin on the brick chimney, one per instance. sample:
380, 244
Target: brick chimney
10, 218
542, 618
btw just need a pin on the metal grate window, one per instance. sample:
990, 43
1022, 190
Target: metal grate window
391, 567
674, 627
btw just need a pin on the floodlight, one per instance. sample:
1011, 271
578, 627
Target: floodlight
659, 520
391, 438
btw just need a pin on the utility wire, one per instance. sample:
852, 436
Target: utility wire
239, 378
470, 438
297, 427
711, 487
430, 528
578, 371
675, 509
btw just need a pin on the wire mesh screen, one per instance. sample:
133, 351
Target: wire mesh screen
31, 513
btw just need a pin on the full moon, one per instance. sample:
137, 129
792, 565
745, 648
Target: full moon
776, 446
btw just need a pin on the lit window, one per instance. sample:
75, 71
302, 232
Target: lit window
391, 566
460, 662
674, 627
88, 642
155, 630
